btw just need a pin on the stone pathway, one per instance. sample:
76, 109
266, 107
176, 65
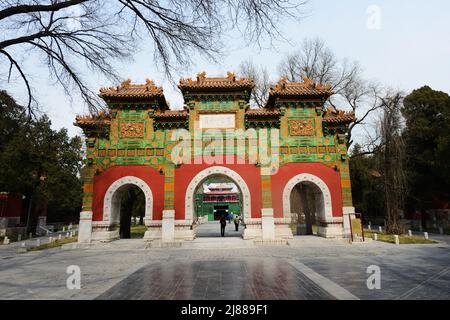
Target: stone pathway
256, 279
211, 229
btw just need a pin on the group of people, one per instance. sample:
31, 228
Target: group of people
223, 222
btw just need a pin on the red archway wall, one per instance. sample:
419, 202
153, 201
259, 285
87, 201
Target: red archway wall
184, 175
249, 173
331, 177
153, 178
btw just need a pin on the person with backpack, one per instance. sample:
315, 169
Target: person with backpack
223, 224
237, 220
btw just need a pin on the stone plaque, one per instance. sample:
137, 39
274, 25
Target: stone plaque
132, 130
217, 121
302, 127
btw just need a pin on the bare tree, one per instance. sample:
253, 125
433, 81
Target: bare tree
392, 159
261, 76
69, 33
317, 62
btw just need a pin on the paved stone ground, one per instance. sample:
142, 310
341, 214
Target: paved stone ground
211, 229
308, 268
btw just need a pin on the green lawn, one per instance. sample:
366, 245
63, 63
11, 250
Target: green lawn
138, 231
404, 239
54, 244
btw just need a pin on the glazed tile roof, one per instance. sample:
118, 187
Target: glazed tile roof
129, 90
90, 121
221, 83
171, 114
262, 112
338, 116
308, 88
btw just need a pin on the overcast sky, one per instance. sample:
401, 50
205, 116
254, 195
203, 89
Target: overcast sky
411, 49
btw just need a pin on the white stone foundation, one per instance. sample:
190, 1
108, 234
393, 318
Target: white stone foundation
85, 227
267, 224
168, 230
182, 231
252, 229
103, 231
331, 231
347, 211
282, 229
168, 226
105, 236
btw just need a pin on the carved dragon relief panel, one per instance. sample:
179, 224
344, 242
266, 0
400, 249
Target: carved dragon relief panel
302, 127
132, 129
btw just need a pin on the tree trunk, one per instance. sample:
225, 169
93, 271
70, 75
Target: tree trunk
125, 214
306, 209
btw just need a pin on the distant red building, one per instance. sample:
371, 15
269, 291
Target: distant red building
14, 212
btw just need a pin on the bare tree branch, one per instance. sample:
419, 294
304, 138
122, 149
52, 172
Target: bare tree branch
260, 75
24, 78
70, 33
316, 61
27, 8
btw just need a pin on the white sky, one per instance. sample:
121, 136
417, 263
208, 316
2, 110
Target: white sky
411, 49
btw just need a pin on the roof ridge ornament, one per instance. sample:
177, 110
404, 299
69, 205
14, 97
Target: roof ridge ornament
332, 115
140, 92
283, 81
126, 83
306, 88
309, 82
231, 76
228, 82
201, 76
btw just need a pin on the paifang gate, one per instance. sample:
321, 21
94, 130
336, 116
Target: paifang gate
287, 160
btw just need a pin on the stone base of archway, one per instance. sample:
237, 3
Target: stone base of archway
333, 229
254, 229
104, 231
182, 231
283, 231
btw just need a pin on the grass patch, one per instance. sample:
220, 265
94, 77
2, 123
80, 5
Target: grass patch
54, 244
138, 231
404, 239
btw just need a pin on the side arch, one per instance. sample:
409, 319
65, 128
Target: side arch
111, 201
202, 175
306, 177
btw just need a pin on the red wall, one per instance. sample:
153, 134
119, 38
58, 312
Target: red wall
285, 173
249, 173
152, 177
186, 172
10, 205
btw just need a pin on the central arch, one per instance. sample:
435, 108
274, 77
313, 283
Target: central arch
217, 170
326, 207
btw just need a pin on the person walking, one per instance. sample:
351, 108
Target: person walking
237, 220
223, 224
